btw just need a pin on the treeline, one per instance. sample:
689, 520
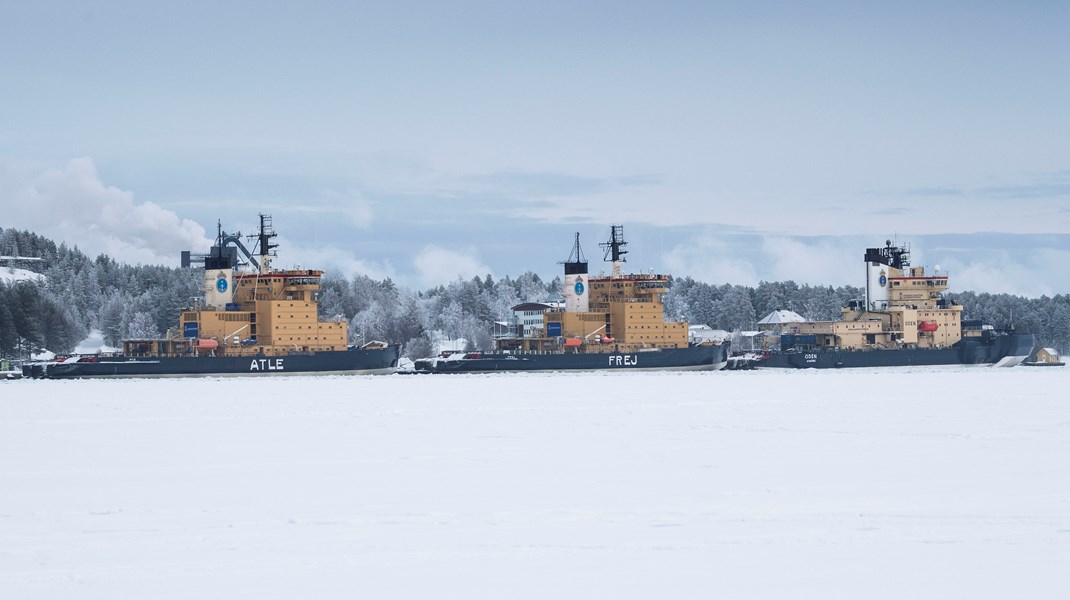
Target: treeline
739, 308
1047, 317
380, 310
79, 294
30, 319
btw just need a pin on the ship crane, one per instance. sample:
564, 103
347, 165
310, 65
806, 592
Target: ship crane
234, 335
224, 254
586, 337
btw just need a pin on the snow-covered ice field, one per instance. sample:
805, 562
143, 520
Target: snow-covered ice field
698, 485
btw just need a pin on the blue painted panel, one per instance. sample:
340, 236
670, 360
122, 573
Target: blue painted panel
190, 330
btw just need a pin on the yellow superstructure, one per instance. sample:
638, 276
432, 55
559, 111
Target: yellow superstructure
269, 312
904, 307
273, 313
624, 313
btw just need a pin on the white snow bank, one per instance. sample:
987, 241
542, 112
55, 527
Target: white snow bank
10, 275
94, 344
694, 485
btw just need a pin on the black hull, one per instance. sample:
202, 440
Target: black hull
998, 350
343, 362
694, 358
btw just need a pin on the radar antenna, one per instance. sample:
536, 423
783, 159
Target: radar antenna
614, 248
263, 245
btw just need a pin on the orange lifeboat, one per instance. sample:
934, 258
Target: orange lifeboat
203, 344
573, 342
927, 326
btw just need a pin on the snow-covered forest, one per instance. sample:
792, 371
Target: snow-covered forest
78, 294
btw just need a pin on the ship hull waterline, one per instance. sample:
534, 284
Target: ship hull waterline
695, 358
343, 362
999, 351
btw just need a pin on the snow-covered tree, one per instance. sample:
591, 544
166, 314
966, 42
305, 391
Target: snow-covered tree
142, 326
112, 317
530, 288
417, 347
451, 319
369, 324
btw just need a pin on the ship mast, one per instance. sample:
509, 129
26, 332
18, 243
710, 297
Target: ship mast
576, 256
613, 248
263, 243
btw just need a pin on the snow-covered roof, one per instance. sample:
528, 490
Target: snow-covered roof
1051, 351
782, 316
525, 306
705, 332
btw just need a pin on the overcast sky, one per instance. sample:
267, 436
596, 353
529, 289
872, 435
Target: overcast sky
737, 142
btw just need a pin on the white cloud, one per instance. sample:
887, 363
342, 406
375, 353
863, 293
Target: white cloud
73, 206
748, 260
329, 257
349, 205
816, 262
1029, 272
711, 259
1026, 275
438, 266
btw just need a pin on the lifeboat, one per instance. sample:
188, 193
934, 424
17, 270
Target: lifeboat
573, 342
927, 326
203, 344
608, 340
